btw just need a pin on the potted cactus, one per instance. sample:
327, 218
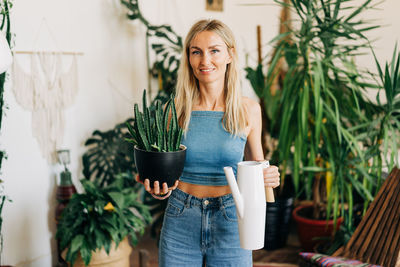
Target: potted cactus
156, 136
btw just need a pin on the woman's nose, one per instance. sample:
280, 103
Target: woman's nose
205, 59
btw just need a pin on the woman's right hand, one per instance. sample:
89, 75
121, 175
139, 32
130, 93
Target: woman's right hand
157, 190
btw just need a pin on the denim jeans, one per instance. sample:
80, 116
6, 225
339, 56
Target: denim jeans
197, 231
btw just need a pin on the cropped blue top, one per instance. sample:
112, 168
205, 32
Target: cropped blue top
210, 148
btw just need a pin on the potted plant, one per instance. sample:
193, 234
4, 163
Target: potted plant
159, 156
332, 138
95, 226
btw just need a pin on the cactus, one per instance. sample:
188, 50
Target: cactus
153, 131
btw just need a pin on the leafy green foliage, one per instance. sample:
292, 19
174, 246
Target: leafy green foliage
386, 124
328, 129
5, 6
155, 131
92, 220
108, 154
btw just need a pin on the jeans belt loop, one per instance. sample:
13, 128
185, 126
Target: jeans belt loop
188, 199
221, 203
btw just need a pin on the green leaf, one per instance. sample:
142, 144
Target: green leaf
141, 128
165, 122
76, 243
131, 131
118, 199
107, 246
86, 254
357, 11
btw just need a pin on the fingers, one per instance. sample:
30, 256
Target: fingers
165, 188
271, 176
272, 184
147, 185
174, 186
156, 190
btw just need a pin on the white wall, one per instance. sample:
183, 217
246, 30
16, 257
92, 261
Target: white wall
112, 75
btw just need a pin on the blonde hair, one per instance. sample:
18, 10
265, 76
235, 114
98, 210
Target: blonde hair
187, 90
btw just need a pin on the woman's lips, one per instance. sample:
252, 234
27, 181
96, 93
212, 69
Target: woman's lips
207, 70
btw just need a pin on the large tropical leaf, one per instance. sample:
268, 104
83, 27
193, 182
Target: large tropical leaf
108, 154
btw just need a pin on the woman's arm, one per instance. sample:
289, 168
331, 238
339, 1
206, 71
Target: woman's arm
253, 149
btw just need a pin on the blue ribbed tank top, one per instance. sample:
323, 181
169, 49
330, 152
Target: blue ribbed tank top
210, 148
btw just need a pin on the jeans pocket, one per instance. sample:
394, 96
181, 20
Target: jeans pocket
174, 208
230, 213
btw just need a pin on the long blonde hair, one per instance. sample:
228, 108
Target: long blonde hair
187, 90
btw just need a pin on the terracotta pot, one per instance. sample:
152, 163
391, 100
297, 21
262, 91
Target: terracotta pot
160, 166
117, 258
312, 232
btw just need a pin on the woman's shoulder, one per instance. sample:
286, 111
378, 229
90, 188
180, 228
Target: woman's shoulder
252, 107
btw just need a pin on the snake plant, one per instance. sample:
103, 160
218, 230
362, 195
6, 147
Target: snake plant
154, 130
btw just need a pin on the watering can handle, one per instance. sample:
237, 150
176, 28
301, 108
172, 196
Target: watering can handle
269, 192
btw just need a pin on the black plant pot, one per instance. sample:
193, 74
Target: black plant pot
277, 224
160, 166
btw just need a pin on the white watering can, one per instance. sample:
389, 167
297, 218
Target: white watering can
249, 195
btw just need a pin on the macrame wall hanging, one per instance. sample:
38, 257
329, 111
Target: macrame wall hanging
46, 91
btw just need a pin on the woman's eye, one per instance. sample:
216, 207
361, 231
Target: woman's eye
214, 51
195, 52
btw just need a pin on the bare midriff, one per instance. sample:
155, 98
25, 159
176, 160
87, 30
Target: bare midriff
203, 191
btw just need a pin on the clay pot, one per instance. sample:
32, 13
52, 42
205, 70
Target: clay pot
312, 232
118, 257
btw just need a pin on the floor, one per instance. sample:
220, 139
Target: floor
283, 257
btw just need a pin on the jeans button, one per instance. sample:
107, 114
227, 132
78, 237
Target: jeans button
206, 202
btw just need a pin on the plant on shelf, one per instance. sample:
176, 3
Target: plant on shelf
156, 135
101, 218
332, 138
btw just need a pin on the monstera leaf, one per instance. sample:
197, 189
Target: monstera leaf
108, 155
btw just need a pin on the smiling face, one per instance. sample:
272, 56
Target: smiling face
208, 57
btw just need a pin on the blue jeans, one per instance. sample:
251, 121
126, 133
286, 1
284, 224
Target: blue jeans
197, 231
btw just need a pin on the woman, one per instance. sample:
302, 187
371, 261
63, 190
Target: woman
200, 224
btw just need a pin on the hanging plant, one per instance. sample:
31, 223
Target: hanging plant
5, 25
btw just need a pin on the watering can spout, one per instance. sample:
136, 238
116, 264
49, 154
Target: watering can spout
230, 177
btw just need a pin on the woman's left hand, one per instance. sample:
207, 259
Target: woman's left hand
272, 176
